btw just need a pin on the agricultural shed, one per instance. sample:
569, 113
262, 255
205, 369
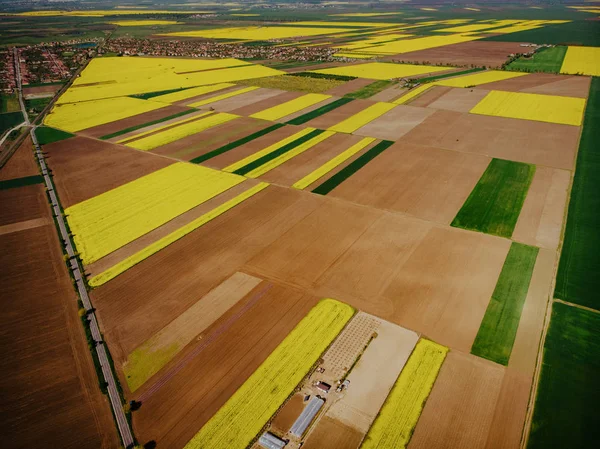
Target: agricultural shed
270, 441
306, 417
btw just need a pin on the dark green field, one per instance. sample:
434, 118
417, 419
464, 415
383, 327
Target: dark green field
566, 406
319, 111
370, 90
499, 326
494, 204
46, 135
577, 280
578, 32
9, 120
547, 60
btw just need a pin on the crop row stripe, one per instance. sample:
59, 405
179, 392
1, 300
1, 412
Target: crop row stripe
413, 93
285, 156
360, 119
394, 425
174, 236
144, 125
233, 145
160, 128
352, 168
333, 163
290, 107
319, 111
191, 93
281, 151
247, 160
222, 97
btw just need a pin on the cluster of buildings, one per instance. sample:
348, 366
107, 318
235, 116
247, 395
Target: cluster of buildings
47, 63
7, 71
212, 49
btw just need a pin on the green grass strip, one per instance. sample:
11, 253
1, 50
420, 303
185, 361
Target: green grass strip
143, 125
278, 152
370, 90
577, 280
327, 76
566, 405
232, 145
352, 168
547, 60
499, 326
21, 182
158, 93
430, 79
319, 111
495, 203
46, 135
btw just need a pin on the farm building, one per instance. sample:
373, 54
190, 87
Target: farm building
306, 417
270, 441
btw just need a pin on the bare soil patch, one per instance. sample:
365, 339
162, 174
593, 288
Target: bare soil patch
349, 87
84, 168
528, 141
22, 204
333, 434
22, 225
467, 387
429, 96
568, 86
267, 103
337, 115
21, 163
395, 123
240, 101
53, 88
288, 414
460, 100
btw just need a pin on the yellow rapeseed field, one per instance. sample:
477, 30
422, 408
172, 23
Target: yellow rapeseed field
295, 83
141, 23
543, 108
179, 132
420, 43
398, 417
191, 93
235, 93
479, 26
363, 117
382, 70
74, 117
167, 124
253, 33
253, 157
333, 163
126, 264
114, 77
106, 222
584, 60
289, 107
254, 403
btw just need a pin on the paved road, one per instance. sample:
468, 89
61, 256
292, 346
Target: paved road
10, 131
113, 394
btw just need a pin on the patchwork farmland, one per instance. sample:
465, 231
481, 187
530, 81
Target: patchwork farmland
387, 251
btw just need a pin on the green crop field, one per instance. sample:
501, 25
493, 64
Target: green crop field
370, 90
577, 280
578, 32
499, 326
495, 203
9, 120
566, 406
548, 60
46, 135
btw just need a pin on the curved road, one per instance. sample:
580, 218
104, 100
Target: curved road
113, 393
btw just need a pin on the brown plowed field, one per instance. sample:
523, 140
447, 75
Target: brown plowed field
206, 96
84, 168
41, 89
201, 143
429, 96
389, 94
395, 123
459, 100
266, 104
339, 114
50, 393
22, 204
425, 182
239, 101
533, 80
206, 379
136, 120
541, 218
489, 54
332, 434
529, 141
144, 299
458, 413
349, 87
21, 163
568, 86
288, 414
303, 164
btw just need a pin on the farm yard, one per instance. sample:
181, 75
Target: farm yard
390, 247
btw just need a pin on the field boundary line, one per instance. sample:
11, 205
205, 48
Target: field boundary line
578, 306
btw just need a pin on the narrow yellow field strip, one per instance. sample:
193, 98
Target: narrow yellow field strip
413, 93
382, 70
333, 163
477, 79
289, 155
222, 97
108, 221
75, 117
179, 132
398, 417
360, 119
175, 123
289, 107
239, 164
584, 60
189, 93
155, 247
247, 411
542, 108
